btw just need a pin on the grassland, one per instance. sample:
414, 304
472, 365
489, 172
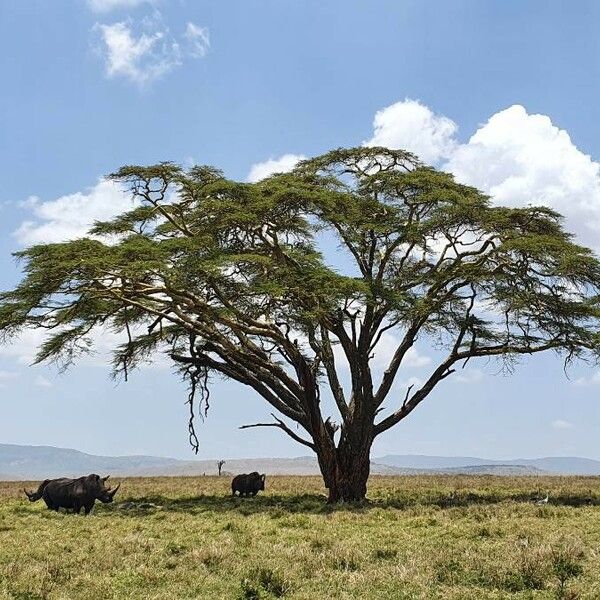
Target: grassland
417, 537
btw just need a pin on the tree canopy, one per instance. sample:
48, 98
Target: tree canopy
243, 280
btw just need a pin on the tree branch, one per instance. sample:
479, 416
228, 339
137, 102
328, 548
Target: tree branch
281, 425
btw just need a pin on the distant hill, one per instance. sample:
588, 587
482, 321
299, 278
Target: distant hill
41, 462
561, 465
504, 470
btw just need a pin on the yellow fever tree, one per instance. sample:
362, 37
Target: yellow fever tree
233, 279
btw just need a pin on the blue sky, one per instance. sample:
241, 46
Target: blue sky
504, 94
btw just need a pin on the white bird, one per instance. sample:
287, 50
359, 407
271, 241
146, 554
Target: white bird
542, 500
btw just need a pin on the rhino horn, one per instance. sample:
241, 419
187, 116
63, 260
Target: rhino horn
112, 493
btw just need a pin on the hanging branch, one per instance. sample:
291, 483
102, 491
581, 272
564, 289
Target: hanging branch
198, 379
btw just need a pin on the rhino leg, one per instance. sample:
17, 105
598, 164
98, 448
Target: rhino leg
88, 508
50, 504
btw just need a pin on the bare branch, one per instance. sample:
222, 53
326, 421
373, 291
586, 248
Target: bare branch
281, 425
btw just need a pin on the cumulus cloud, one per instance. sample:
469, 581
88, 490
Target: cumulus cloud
382, 355
108, 5
561, 424
411, 126
385, 349
198, 39
102, 341
522, 159
23, 348
518, 158
414, 360
283, 164
145, 51
70, 217
66, 218
140, 58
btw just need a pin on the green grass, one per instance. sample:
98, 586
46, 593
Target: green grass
417, 537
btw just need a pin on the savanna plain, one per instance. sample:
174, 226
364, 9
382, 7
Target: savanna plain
423, 537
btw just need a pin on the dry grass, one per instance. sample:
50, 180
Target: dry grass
418, 537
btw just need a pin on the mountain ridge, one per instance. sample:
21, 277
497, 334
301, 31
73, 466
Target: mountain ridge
20, 462
556, 465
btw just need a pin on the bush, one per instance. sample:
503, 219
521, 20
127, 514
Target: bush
566, 564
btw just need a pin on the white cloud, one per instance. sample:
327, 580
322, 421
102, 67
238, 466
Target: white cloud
70, 216
411, 126
66, 218
198, 39
518, 158
24, 347
108, 5
522, 159
414, 360
385, 349
561, 424
144, 51
468, 376
283, 164
141, 59
382, 355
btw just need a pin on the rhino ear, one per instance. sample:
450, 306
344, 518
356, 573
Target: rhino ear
104, 479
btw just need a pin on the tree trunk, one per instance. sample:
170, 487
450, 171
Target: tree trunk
345, 470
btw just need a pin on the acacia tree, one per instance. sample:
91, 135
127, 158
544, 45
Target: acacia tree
234, 280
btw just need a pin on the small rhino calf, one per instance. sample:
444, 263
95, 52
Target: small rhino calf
248, 484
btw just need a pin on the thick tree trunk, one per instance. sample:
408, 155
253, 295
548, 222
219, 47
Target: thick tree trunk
345, 470
349, 483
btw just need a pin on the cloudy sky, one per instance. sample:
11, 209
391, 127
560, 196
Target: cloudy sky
502, 94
